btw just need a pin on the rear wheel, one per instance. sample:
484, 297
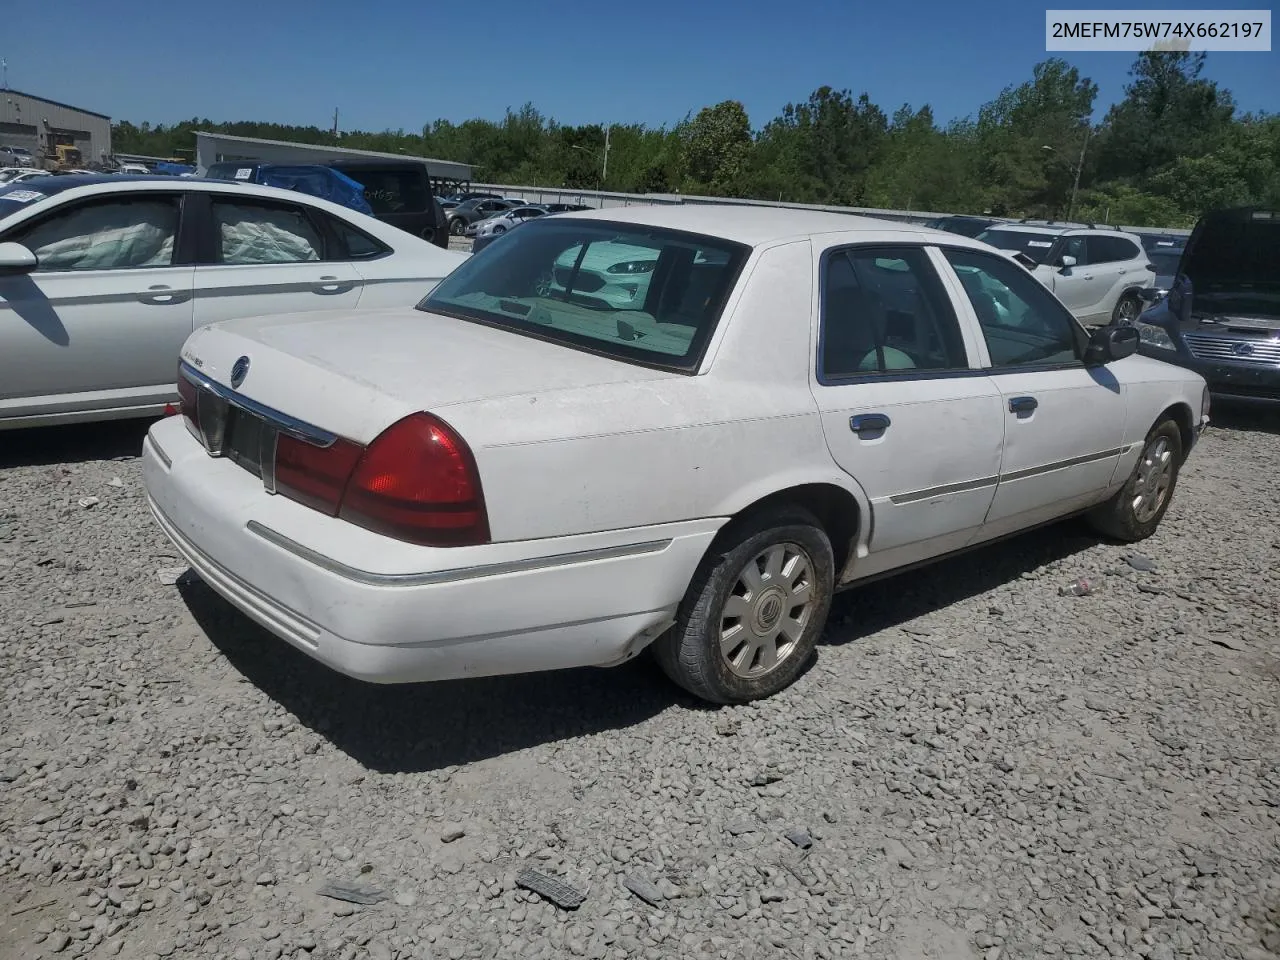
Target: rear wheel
1135, 512
751, 617
1127, 310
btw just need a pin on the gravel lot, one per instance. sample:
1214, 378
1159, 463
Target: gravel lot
986, 769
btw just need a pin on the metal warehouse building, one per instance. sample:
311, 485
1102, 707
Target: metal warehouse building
211, 148
40, 125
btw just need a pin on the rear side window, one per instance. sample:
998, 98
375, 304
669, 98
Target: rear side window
248, 232
393, 191
1111, 249
353, 244
885, 311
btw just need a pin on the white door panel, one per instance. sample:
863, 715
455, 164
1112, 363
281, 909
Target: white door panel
931, 473
227, 291
65, 336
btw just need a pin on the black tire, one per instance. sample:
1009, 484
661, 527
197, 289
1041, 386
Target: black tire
690, 652
1127, 310
1120, 517
498, 231
457, 227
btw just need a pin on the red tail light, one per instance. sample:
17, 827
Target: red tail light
315, 476
418, 482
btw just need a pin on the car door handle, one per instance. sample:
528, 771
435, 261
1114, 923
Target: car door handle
331, 285
154, 295
1021, 405
868, 426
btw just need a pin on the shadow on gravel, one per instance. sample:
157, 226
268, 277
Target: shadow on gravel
1244, 417
43, 446
426, 726
903, 597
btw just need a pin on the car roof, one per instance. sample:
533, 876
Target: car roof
753, 225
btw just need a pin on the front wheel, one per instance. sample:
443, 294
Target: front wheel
457, 227
751, 617
1127, 310
1134, 513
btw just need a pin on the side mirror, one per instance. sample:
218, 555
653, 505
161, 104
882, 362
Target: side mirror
1110, 344
15, 260
1066, 262
1151, 294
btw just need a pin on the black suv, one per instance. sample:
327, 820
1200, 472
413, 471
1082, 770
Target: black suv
1221, 317
400, 194
397, 191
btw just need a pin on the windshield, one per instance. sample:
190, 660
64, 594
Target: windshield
1034, 245
641, 294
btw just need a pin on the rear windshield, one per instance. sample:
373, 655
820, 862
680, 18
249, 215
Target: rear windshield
964, 226
393, 191
1034, 245
641, 294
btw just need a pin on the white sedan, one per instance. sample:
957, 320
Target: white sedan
102, 278
522, 474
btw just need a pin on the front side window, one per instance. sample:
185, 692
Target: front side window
1022, 322
105, 235
256, 233
643, 294
1078, 247
884, 310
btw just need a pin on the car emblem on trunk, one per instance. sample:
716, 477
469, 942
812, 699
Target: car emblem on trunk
239, 370
1242, 349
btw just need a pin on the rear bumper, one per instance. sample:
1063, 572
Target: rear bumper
388, 612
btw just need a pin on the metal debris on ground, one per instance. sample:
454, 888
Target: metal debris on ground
1140, 563
352, 892
553, 889
642, 888
88, 502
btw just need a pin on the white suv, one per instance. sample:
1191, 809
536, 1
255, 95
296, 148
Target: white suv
1096, 272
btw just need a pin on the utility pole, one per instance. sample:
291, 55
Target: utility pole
604, 174
335, 122
1079, 166
4, 68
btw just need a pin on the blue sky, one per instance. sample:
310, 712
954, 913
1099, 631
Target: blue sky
392, 64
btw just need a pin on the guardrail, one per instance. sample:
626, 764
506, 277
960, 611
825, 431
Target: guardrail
606, 198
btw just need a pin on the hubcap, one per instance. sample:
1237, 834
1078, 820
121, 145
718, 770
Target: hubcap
1128, 310
767, 611
1155, 476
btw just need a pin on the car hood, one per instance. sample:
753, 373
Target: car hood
355, 374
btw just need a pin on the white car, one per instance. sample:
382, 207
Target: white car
102, 278
1096, 273
12, 175
517, 477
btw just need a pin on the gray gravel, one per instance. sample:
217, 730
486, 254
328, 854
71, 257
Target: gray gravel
984, 768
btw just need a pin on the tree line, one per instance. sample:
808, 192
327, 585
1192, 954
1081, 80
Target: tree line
1173, 147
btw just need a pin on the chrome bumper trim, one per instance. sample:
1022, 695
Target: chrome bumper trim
453, 574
